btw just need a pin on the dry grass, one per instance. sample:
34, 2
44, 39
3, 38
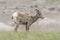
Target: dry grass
30, 36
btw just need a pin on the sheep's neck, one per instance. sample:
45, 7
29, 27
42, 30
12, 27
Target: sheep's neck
35, 17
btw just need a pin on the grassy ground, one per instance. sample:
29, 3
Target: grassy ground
30, 36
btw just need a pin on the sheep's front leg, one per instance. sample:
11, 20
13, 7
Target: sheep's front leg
27, 26
16, 27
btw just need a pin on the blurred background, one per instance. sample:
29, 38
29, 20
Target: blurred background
50, 9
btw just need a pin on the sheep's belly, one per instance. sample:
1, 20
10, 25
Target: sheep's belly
26, 19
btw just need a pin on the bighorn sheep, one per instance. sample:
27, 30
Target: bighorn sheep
25, 19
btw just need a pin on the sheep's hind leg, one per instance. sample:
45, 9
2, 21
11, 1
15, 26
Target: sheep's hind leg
16, 27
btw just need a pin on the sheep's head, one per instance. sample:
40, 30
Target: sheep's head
39, 15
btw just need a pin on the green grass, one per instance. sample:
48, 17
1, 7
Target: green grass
29, 35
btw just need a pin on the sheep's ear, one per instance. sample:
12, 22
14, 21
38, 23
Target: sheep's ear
11, 17
36, 6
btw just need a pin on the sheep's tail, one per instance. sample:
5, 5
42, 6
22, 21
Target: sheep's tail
12, 17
